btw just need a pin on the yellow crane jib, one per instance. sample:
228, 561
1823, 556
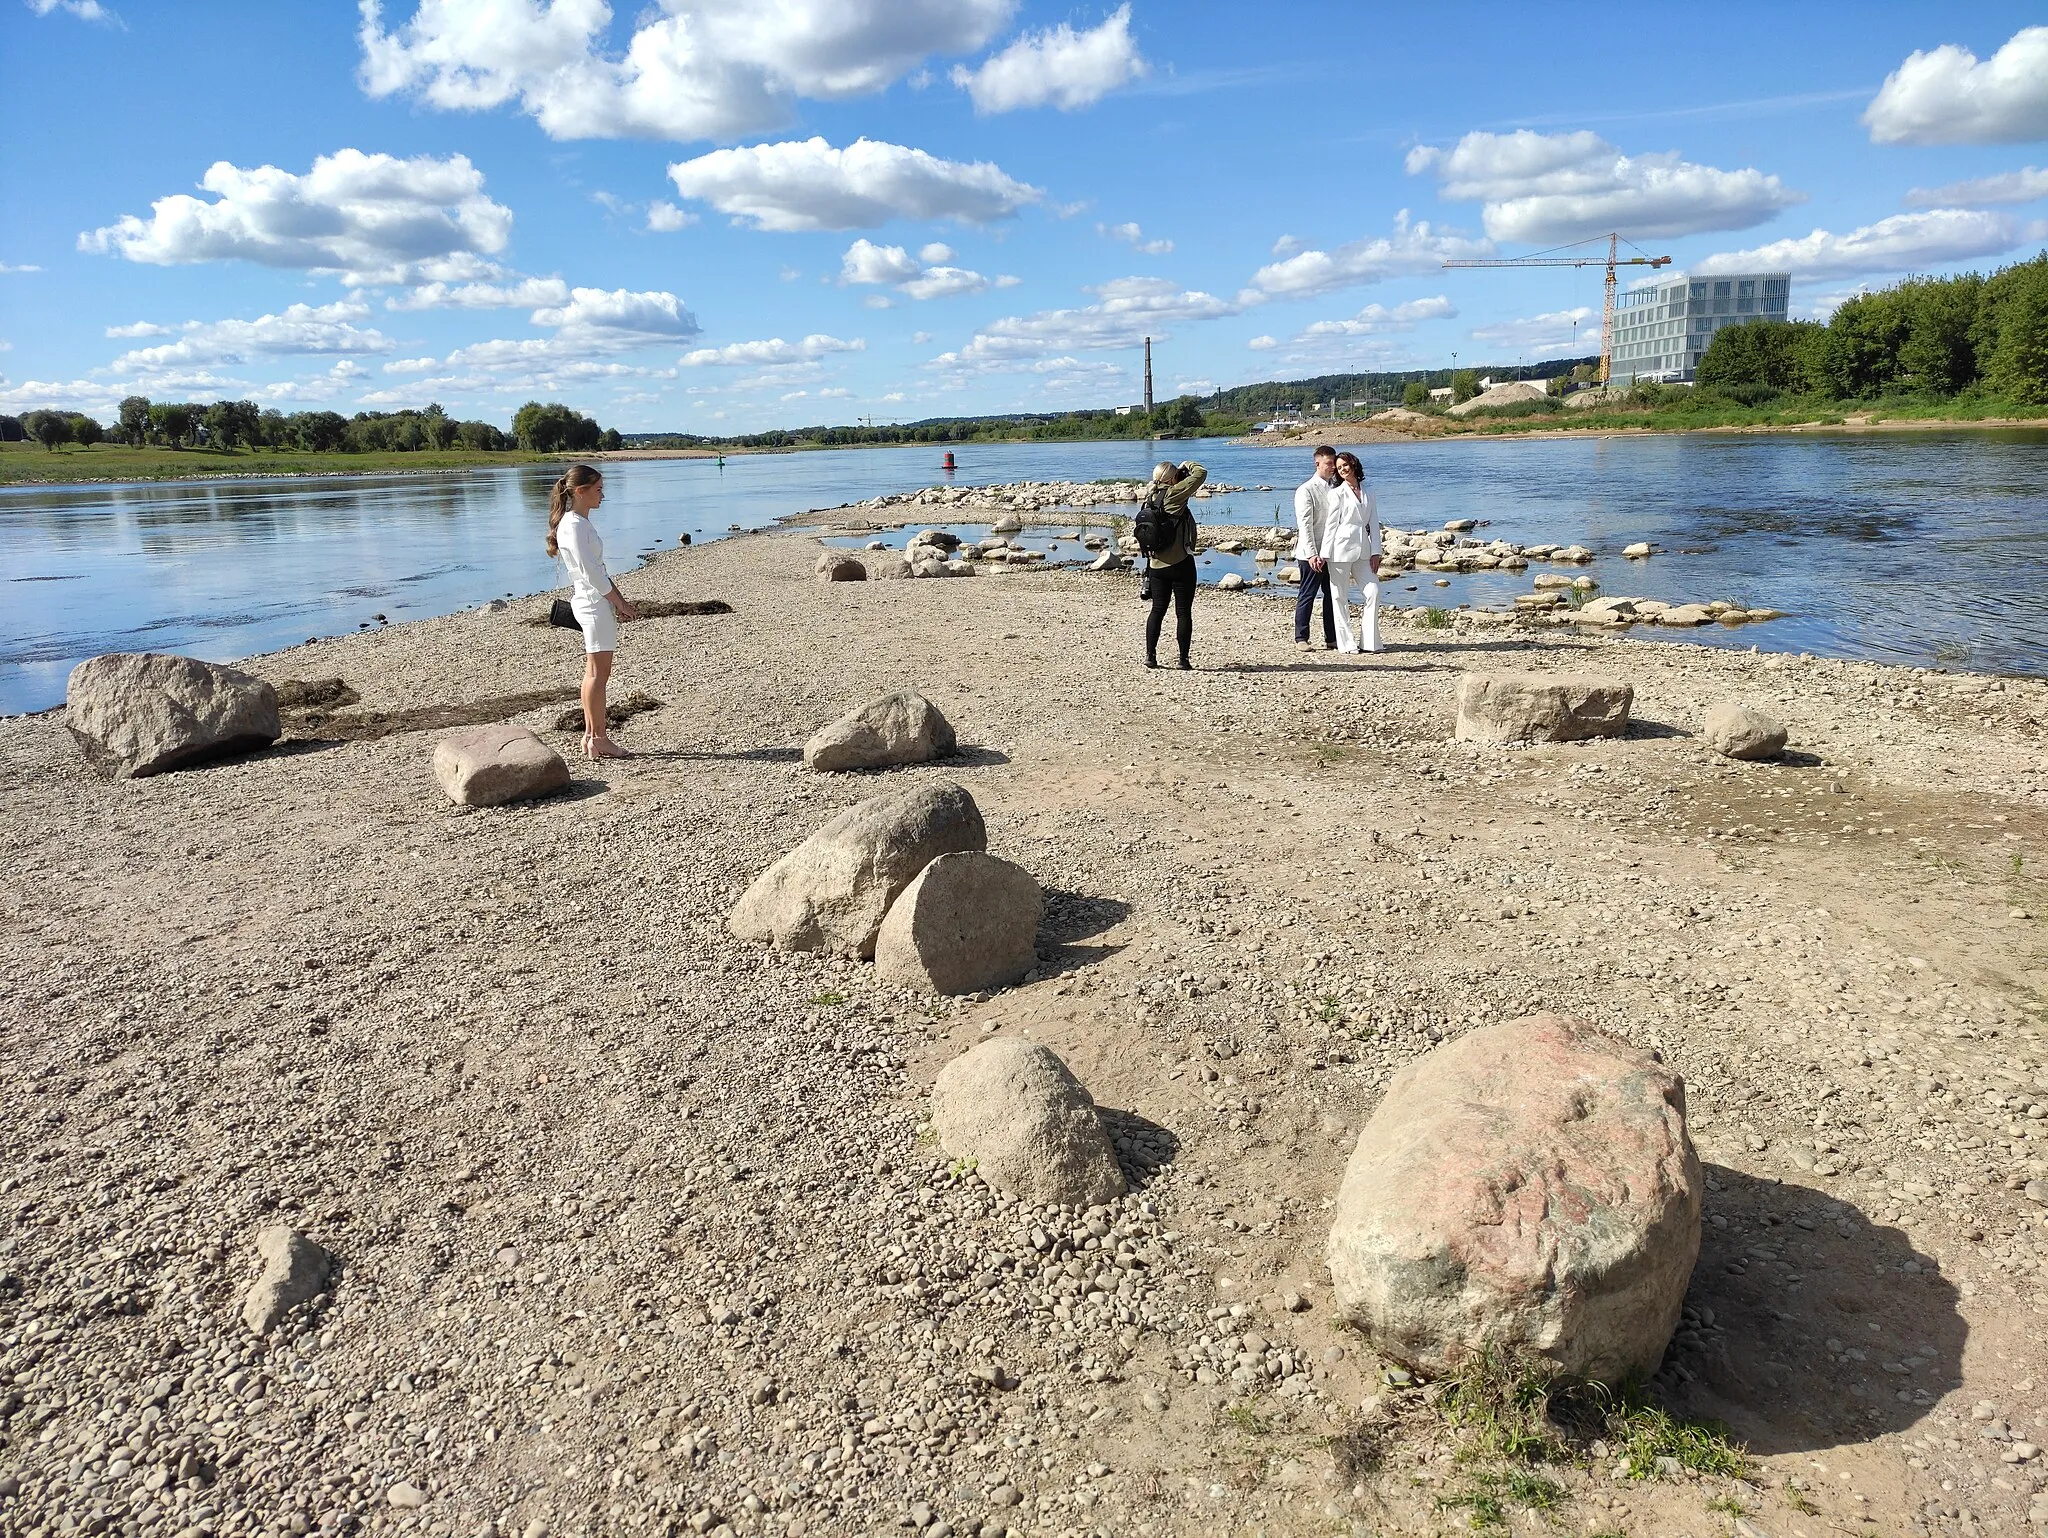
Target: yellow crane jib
1612, 260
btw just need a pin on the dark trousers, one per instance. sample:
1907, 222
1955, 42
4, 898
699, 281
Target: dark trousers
1314, 582
1173, 584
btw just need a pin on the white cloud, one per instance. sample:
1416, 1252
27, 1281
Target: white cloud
84, 10
1412, 248
139, 328
24, 267
617, 318
1377, 318
2026, 185
790, 274
1057, 67
1552, 334
1902, 243
919, 338
1569, 186
1127, 310
1134, 237
412, 365
835, 393
664, 217
299, 331
1949, 96
937, 252
1262, 344
1287, 245
344, 378
867, 263
525, 294
808, 185
771, 353
372, 218
694, 69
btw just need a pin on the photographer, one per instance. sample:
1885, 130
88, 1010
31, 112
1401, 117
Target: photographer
1166, 538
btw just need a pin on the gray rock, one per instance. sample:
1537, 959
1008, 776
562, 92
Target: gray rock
1541, 707
837, 566
901, 728
968, 922
1530, 1188
491, 765
136, 714
1739, 732
295, 1269
831, 892
1013, 1107
406, 1496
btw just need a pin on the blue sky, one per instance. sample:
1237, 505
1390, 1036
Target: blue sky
723, 215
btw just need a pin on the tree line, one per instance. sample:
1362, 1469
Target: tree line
539, 428
1938, 339
1182, 417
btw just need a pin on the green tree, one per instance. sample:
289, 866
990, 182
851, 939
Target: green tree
2019, 356
85, 431
231, 422
171, 421
1860, 355
321, 432
1416, 395
1765, 356
481, 436
436, 427
1464, 385
611, 442
554, 429
135, 420
1938, 353
49, 428
11, 430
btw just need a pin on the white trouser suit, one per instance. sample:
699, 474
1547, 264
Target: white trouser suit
1351, 537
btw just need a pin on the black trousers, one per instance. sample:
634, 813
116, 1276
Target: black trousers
1314, 583
1174, 585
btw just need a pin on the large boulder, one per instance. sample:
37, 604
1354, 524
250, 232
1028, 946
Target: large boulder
837, 566
1528, 1188
491, 765
1541, 707
831, 892
141, 713
1739, 732
1019, 1113
902, 728
968, 922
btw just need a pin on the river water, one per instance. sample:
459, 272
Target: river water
1918, 547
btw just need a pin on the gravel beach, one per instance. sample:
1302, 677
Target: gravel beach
637, 1227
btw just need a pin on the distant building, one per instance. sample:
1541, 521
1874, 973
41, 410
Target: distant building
1440, 393
1663, 326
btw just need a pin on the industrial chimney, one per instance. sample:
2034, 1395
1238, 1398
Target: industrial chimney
1148, 376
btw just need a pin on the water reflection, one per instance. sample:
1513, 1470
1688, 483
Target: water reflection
1904, 547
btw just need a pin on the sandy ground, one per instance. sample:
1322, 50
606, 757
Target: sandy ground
639, 1229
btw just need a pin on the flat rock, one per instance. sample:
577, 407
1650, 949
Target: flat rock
1684, 614
1736, 731
491, 765
1230, 583
831, 892
1530, 1187
900, 728
836, 566
969, 922
1541, 707
1030, 1127
136, 714
295, 1269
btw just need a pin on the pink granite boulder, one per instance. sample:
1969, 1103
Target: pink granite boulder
1529, 1188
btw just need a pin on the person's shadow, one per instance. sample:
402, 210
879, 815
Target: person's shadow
1807, 1325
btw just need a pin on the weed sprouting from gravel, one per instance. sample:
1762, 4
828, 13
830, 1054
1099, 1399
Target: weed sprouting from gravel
1248, 1420
1434, 618
1642, 1433
1489, 1495
1358, 1451
1505, 1403
827, 1000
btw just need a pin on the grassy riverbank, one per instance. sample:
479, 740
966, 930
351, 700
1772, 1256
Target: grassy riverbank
31, 464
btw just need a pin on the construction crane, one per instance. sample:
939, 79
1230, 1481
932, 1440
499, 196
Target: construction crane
1612, 261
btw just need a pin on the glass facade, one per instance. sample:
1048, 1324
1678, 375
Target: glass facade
1663, 326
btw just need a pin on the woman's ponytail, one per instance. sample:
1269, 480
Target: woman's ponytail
561, 498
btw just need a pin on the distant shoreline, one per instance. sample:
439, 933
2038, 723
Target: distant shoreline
1369, 432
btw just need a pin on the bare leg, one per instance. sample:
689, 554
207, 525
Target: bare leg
597, 676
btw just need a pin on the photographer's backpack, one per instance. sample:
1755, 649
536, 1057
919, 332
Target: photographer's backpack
1156, 526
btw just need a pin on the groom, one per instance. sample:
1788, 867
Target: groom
1311, 516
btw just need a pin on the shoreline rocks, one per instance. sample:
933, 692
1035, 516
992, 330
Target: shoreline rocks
137, 714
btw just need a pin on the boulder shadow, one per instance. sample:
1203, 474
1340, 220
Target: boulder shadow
1143, 1147
1640, 730
1071, 916
1807, 1325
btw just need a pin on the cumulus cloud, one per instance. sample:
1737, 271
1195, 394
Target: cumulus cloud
664, 217
1262, 344
139, 328
23, 267
1902, 243
774, 352
693, 69
84, 10
616, 319
1375, 319
1125, 312
1568, 186
371, 218
524, 294
1413, 247
1057, 67
1552, 334
299, 331
867, 263
1949, 96
2026, 185
1134, 237
808, 185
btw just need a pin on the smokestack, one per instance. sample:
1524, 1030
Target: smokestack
1148, 375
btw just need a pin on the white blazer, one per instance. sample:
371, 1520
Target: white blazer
1311, 516
1353, 530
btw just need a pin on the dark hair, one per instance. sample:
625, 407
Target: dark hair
1351, 459
558, 497
1324, 451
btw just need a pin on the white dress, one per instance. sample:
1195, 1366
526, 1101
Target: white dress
582, 554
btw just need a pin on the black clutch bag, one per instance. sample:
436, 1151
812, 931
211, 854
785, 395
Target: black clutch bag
560, 614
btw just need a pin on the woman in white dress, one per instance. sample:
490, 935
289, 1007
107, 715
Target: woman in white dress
598, 603
1351, 550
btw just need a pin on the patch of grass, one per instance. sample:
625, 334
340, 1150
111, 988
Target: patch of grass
1247, 1419
1358, 1451
29, 462
1801, 1504
1728, 1506
1489, 1495
1505, 1403
2019, 863
1642, 1433
1329, 1010
1434, 618
827, 1000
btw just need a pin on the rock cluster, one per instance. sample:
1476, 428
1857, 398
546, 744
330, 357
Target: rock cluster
1446, 550
1615, 612
1028, 496
135, 714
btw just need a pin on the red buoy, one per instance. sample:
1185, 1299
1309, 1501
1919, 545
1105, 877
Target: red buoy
949, 461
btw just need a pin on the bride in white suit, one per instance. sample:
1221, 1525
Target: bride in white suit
1351, 547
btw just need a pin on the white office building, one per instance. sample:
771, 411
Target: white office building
1663, 326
